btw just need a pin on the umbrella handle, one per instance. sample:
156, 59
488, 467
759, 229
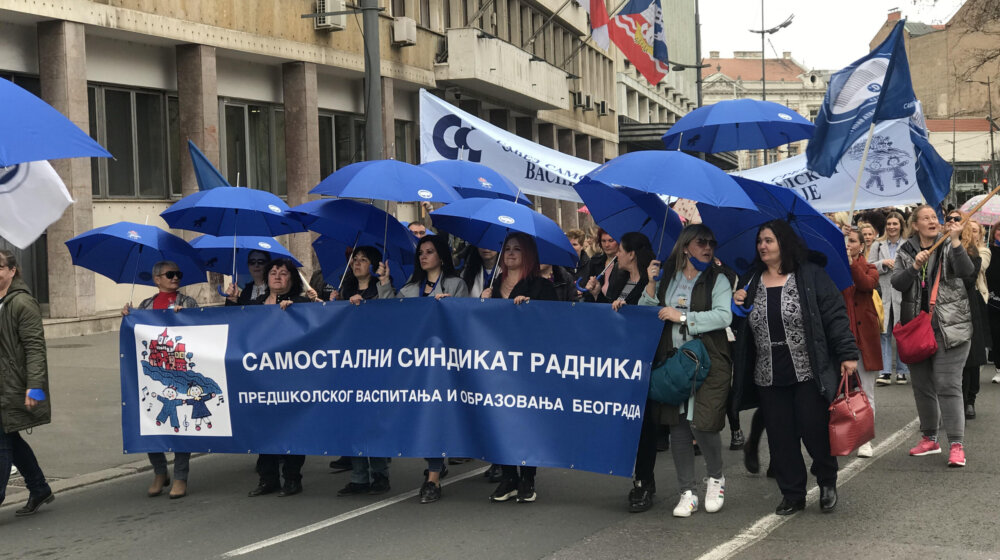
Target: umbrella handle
221, 293
371, 271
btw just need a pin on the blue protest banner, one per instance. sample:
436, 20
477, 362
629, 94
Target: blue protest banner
549, 384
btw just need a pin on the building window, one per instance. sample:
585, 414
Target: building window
398, 8
253, 146
341, 141
135, 127
404, 143
813, 113
968, 176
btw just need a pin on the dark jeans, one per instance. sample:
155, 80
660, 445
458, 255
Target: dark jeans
645, 455
14, 450
970, 384
268, 466
793, 414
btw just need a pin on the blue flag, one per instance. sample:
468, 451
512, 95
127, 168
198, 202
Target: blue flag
874, 88
933, 172
208, 176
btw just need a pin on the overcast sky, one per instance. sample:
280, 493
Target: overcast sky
824, 35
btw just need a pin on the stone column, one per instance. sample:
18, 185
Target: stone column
548, 206
571, 218
198, 105
62, 64
298, 82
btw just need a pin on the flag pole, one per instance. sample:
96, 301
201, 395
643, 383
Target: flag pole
861, 172
583, 42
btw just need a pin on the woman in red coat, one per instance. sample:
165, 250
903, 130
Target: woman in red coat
864, 319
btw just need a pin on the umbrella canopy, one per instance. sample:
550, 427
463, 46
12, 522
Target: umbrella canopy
386, 179
333, 255
126, 252
620, 210
989, 214
33, 130
348, 224
486, 222
217, 252
475, 180
737, 124
736, 229
232, 211
672, 174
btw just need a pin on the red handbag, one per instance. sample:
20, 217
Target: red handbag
915, 340
852, 420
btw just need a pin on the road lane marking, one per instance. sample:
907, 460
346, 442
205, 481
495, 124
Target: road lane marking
343, 517
767, 524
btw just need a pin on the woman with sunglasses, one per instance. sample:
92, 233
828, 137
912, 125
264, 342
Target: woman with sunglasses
167, 278
434, 276
789, 357
694, 295
256, 287
284, 289
921, 276
882, 254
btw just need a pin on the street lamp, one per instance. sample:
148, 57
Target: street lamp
680, 67
763, 59
989, 100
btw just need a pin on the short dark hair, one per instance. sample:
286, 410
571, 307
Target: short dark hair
440, 243
793, 250
289, 265
350, 284
10, 261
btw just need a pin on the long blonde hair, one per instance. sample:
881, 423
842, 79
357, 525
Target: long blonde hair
904, 226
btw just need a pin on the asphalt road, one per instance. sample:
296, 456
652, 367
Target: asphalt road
891, 506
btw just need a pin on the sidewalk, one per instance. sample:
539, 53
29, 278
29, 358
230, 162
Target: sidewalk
83, 444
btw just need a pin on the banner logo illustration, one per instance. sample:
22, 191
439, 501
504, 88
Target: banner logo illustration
883, 159
461, 139
424, 193
505, 220
182, 380
11, 178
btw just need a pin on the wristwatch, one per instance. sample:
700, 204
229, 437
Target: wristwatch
684, 318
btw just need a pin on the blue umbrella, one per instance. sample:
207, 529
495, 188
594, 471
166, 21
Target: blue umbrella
333, 255
736, 229
386, 179
353, 224
672, 174
737, 124
33, 130
231, 211
485, 223
207, 175
126, 252
475, 180
620, 210
217, 252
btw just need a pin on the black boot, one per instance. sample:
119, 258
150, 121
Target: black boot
34, 502
827, 498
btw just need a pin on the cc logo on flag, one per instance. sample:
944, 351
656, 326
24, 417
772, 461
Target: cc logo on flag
11, 178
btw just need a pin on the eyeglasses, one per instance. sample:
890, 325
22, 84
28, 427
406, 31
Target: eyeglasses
257, 262
952, 219
702, 242
173, 274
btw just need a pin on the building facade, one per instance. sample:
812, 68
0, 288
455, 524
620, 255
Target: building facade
277, 102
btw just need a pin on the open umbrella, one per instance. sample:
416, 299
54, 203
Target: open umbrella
217, 252
620, 210
386, 179
988, 215
333, 255
737, 124
125, 252
486, 222
232, 211
672, 174
736, 229
33, 130
207, 175
475, 180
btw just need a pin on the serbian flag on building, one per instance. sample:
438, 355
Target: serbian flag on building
638, 32
872, 89
598, 13
32, 197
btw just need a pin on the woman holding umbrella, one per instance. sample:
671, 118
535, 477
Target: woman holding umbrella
256, 287
626, 280
694, 297
479, 269
435, 277
284, 289
789, 358
520, 280
359, 284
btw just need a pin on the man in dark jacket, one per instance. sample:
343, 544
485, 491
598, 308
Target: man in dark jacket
24, 383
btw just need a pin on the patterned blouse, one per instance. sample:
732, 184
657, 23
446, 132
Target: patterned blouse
771, 350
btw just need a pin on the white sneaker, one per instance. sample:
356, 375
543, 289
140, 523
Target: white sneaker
715, 494
865, 451
687, 505
996, 378
13, 470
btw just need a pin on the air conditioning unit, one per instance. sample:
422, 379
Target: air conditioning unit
577, 98
330, 23
404, 32
602, 108
588, 104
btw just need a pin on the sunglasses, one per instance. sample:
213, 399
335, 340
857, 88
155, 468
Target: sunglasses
173, 274
702, 242
257, 262
952, 219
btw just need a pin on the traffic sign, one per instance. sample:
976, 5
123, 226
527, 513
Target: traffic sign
986, 167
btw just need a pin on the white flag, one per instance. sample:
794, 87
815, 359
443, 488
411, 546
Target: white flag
32, 197
447, 132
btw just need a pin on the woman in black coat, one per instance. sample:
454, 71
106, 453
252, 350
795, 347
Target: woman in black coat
788, 359
627, 286
257, 286
521, 281
981, 339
